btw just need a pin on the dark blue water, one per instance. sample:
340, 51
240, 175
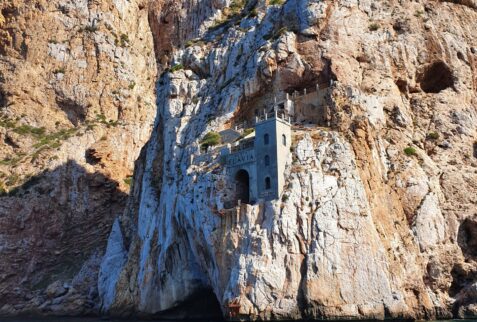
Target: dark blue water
133, 320
67, 319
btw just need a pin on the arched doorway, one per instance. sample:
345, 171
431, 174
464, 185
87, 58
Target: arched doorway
242, 186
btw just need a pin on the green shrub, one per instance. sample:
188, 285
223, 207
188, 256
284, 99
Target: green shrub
245, 133
176, 68
418, 13
373, 27
128, 181
192, 42
211, 139
276, 2
6, 123
236, 7
10, 161
248, 131
30, 130
410, 151
132, 85
284, 198
433, 136
124, 40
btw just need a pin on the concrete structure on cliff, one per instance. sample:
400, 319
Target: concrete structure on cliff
256, 148
257, 162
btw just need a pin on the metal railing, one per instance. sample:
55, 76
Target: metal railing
272, 115
243, 145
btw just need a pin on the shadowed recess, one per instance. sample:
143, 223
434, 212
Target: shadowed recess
435, 77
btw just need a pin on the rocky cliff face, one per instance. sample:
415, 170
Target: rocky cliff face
379, 214
76, 106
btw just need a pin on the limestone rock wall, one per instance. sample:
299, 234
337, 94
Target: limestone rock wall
378, 216
77, 104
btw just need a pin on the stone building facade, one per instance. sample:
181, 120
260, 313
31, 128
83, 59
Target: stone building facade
257, 163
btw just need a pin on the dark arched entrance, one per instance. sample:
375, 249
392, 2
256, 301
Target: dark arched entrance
242, 186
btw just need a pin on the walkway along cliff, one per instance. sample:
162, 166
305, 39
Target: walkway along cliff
375, 210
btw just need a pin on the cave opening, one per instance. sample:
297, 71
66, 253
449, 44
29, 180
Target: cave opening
435, 77
76, 113
201, 305
467, 237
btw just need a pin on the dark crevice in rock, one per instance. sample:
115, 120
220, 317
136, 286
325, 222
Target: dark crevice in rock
467, 3
462, 289
302, 298
76, 113
435, 77
460, 279
467, 237
3, 98
9, 141
403, 86
92, 157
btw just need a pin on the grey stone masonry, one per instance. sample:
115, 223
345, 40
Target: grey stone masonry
257, 164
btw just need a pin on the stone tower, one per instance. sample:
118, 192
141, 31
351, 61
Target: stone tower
272, 148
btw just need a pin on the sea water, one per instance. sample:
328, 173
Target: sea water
59, 319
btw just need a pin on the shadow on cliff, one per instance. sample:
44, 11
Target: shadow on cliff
202, 306
464, 275
52, 224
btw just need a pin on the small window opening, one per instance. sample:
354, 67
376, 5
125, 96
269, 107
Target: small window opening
268, 184
284, 140
266, 139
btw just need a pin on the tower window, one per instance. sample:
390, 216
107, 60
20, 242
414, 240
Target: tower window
266, 139
284, 139
267, 160
268, 184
